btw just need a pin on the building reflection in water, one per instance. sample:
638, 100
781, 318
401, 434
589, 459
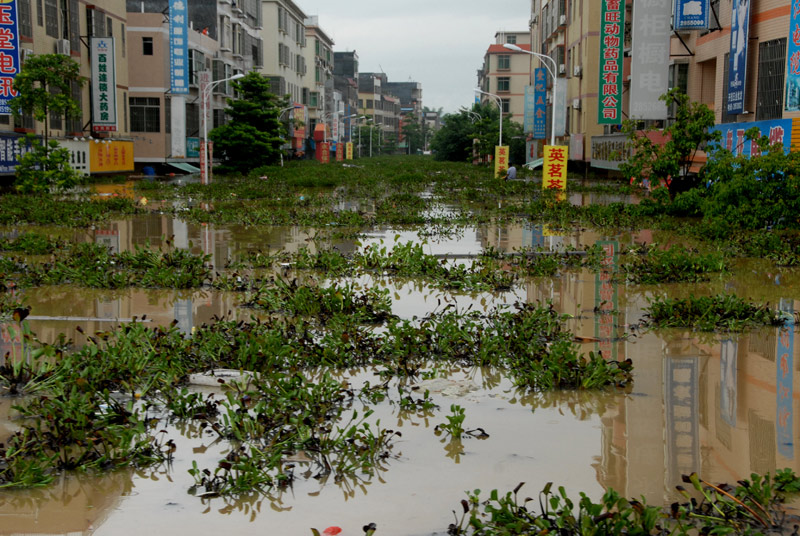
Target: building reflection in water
719, 405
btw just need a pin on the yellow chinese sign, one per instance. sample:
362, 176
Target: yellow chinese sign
349, 151
110, 156
554, 171
500, 160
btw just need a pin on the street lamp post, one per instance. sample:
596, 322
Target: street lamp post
499, 107
359, 134
552, 70
206, 97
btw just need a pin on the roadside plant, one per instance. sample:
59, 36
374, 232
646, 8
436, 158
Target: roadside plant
711, 313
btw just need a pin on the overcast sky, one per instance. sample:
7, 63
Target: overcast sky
439, 43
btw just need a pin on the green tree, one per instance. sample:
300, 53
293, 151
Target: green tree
44, 87
453, 141
670, 162
253, 136
414, 133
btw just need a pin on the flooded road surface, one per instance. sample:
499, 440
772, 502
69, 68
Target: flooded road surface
719, 405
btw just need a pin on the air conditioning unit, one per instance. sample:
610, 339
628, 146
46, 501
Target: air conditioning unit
24, 54
577, 71
62, 47
562, 69
562, 20
576, 104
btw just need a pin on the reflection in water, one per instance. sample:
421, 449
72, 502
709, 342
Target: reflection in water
77, 504
722, 406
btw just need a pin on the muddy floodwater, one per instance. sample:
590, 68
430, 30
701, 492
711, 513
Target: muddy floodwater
719, 405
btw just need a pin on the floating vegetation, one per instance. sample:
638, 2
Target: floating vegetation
752, 507
67, 212
723, 312
650, 264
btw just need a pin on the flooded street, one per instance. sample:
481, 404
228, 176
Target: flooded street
718, 405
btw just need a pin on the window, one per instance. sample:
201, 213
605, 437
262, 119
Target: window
503, 62
51, 18
147, 46
503, 84
725, 117
771, 64
123, 40
39, 13
506, 105
25, 24
511, 39
192, 118
145, 114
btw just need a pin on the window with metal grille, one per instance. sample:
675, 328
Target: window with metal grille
145, 114
504, 62
506, 105
25, 24
51, 18
503, 84
771, 65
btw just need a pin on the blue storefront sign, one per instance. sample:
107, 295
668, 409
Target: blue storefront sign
690, 15
733, 138
527, 121
540, 103
179, 47
737, 60
9, 54
193, 147
792, 101
784, 414
12, 147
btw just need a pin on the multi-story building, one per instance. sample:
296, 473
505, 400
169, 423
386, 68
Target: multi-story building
284, 36
319, 58
67, 27
381, 107
345, 80
697, 60
223, 40
505, 73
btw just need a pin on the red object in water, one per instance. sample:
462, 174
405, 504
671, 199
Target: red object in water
332, 530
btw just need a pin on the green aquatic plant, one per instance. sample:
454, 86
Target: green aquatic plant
650, 264
711, 313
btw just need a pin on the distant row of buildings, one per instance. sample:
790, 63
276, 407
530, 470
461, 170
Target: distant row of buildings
163, 51
614, 57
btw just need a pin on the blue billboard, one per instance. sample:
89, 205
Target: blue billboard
737, 60
9, 54
733, 138
179, 47
792, 100
690, 15
540, 103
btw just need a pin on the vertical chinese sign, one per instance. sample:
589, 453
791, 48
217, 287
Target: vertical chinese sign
9, 54
612, 32
554, 170
324, 152
204, 81
737, 60
178, 47
349, 150
650, 59
500, 160
104, 85
784, 384
793, 60
540, 103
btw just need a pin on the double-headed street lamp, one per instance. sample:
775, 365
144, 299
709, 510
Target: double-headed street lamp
499, 107
206, 97
553, 74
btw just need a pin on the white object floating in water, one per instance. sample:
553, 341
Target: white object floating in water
212, 378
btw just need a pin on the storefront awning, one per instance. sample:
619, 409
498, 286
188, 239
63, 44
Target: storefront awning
183, 166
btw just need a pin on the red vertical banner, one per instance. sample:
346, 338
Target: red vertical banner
612, 41
324, 152
210, 160
339, 152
